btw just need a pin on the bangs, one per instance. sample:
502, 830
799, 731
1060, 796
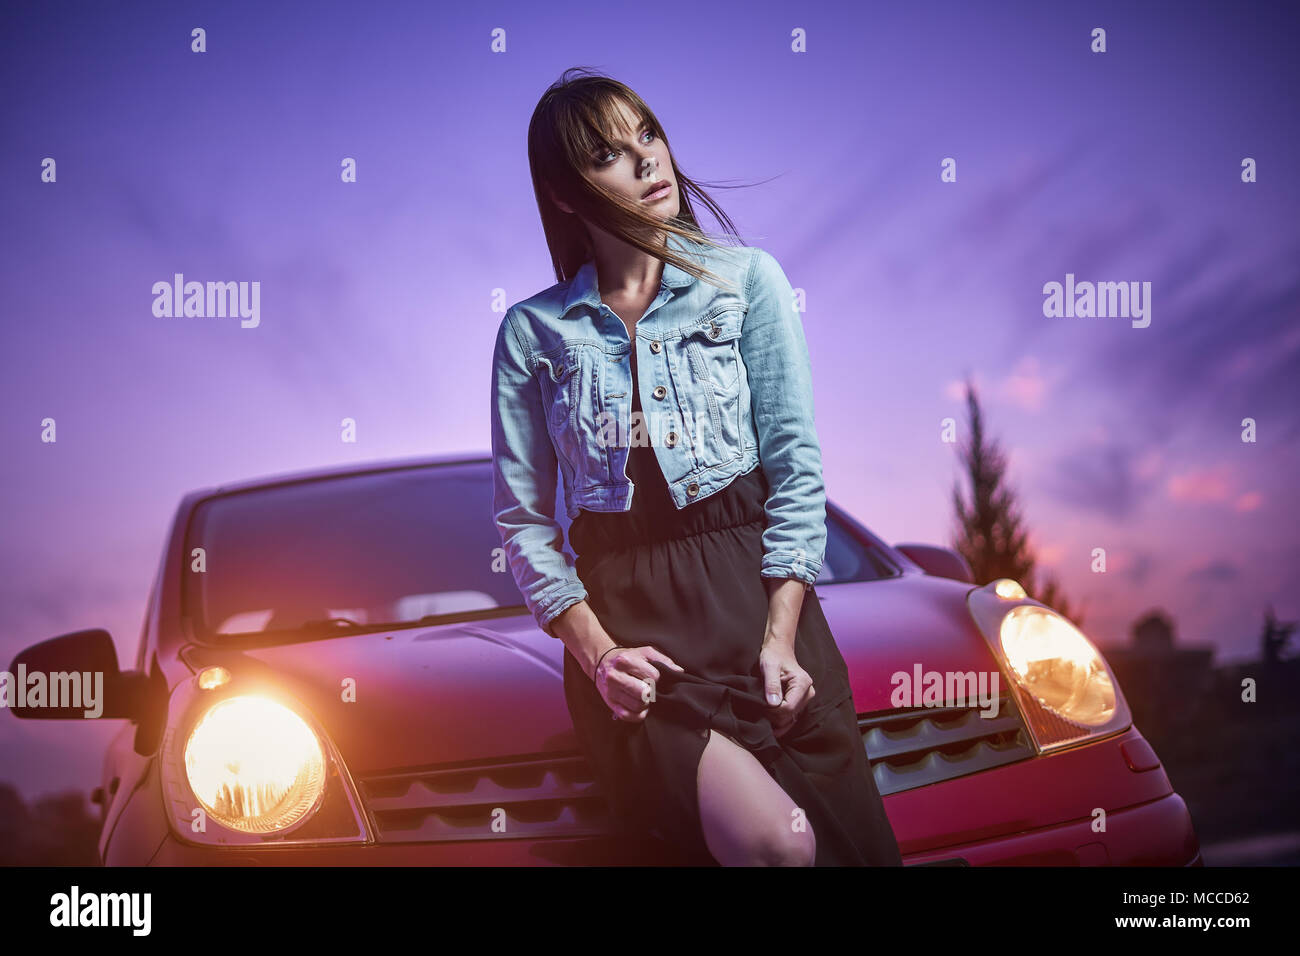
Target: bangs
600, 119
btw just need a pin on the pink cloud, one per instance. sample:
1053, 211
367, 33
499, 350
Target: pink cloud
1120, 560
1025, 386
956, 389
1203, 484
1049, 555
1249, 501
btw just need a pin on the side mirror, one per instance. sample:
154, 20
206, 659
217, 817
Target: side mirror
939, 562
72, 677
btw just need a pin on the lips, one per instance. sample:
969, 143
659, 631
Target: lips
664, 184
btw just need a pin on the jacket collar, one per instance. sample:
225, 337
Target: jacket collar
585, 290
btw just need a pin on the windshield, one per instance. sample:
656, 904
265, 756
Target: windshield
374, 550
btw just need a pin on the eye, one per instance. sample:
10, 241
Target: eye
600, 157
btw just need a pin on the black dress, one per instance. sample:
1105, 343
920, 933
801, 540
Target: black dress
687, 581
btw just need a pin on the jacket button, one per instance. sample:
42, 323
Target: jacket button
713, 332
693, 489
655, 346
660, 391
670, 439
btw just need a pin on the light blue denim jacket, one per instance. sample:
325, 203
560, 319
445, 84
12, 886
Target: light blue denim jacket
725, 385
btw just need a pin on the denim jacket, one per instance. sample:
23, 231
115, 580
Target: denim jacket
725, 385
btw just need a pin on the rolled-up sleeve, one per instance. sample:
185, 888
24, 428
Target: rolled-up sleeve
775, 354
524, 484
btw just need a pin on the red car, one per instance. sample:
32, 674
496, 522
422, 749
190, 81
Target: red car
336, 667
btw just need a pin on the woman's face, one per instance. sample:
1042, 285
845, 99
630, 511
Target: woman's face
637, 167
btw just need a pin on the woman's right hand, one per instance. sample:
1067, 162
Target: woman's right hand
625, 679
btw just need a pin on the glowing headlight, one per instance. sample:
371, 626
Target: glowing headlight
255, 765
1058, 665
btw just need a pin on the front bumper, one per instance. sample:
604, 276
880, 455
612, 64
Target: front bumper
1104, 803
1158, 833
1035, 812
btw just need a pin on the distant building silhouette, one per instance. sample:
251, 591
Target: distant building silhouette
1165, 685
1228, 757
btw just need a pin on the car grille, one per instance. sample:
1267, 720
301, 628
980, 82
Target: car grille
559, 797
530, 799
918, 746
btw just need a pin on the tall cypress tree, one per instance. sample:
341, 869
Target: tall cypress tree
990, 532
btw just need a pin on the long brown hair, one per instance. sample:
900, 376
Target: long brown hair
575, 118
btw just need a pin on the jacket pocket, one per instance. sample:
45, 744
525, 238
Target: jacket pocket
570, 380
710, 349
713, 350
558, 373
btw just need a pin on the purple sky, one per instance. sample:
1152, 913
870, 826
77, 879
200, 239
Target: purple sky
377, 296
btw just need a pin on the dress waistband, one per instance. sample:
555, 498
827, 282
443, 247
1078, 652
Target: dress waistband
656, 518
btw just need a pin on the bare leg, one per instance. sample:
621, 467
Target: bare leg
747, 818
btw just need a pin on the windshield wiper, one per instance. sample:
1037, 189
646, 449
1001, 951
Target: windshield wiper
342, 623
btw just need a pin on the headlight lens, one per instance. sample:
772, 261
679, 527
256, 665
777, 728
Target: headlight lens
255, 765
1058, 665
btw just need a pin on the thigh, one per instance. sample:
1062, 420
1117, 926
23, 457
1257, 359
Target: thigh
746, 816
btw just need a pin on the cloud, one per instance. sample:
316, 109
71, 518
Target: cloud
1210, 484
1249, 501
955, 390
1098, 477
1025, 386
1223, 337
1027, 178
1049, 555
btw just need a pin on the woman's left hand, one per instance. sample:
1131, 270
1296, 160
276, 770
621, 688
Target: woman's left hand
785, 682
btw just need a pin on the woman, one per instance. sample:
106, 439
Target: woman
703, 681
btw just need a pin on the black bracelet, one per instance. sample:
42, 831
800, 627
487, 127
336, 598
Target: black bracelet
602, 657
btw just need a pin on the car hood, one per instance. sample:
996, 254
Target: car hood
493, 689
434, 695
903, 625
